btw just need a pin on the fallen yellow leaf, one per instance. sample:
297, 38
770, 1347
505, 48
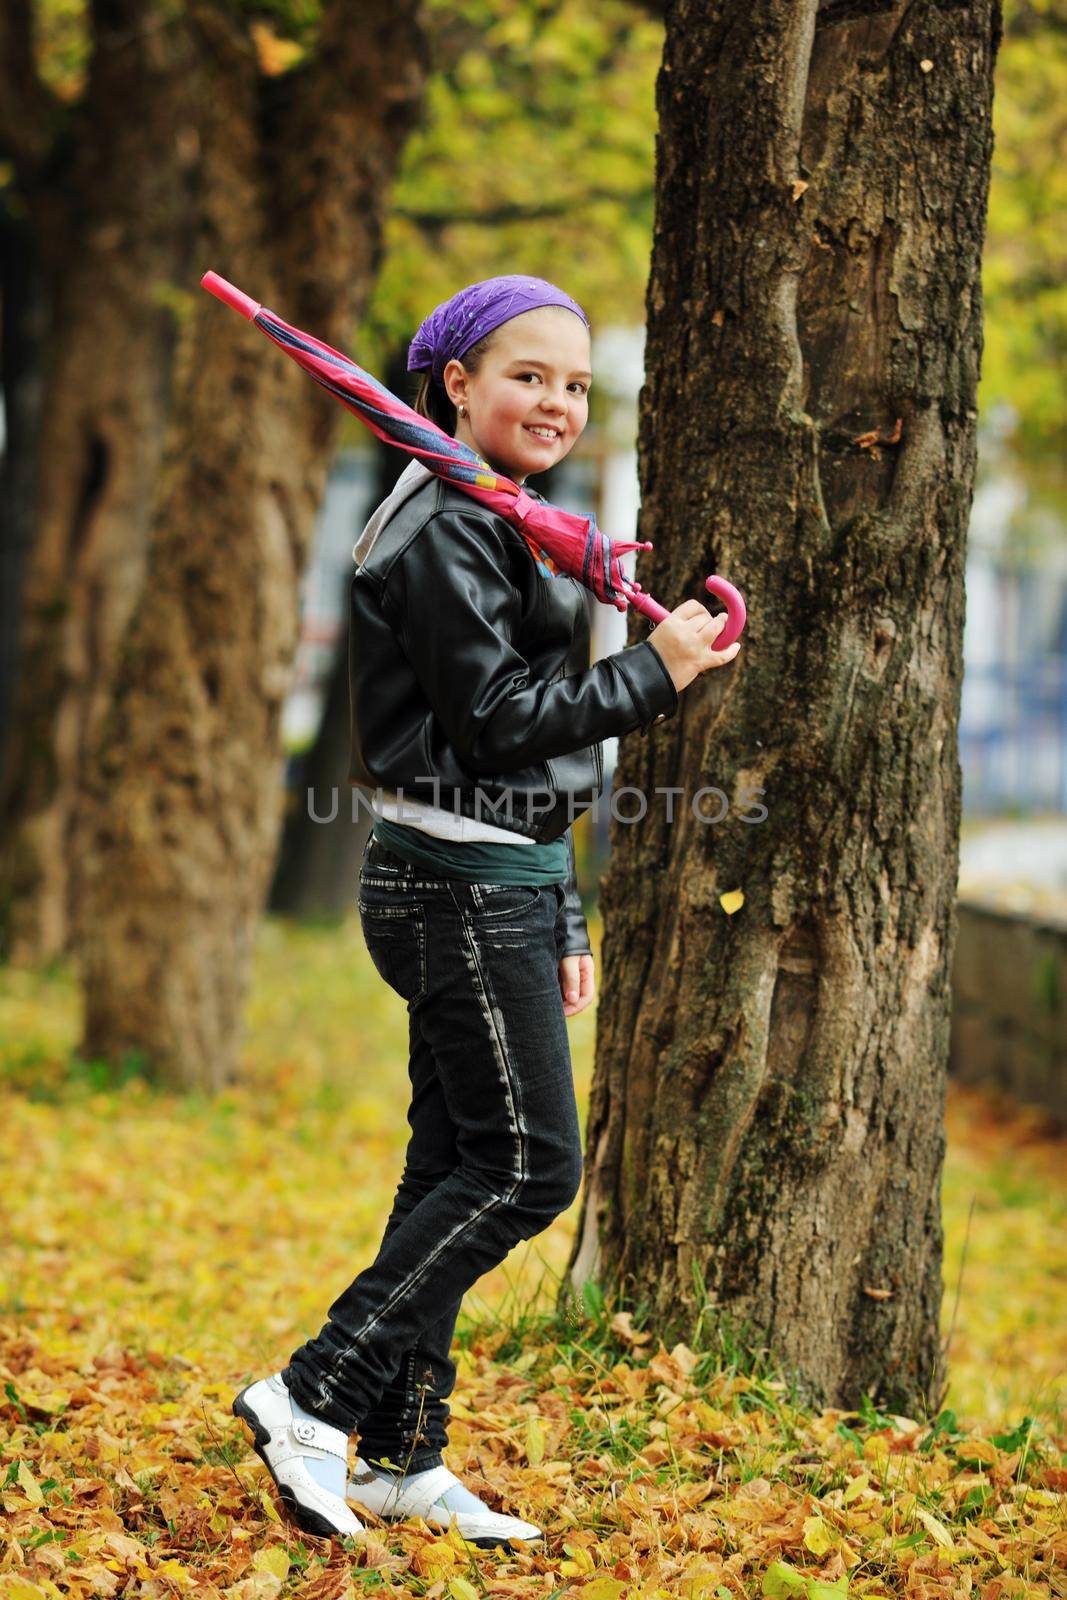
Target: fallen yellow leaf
16, 1588
173, 1572
268, 1505
274, 1559
622, 1325
818, 1536
602, 1588
435, 1560
535, 1441
937, 1530
581, 1560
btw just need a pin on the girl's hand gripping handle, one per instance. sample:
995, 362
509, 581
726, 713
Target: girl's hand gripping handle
731, 597
689, 642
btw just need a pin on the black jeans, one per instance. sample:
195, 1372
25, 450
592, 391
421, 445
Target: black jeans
494, 1155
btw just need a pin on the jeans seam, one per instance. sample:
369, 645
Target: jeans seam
492, 1012
409, 1398
338, 1366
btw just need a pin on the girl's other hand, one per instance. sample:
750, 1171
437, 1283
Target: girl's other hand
685, 642
576, 983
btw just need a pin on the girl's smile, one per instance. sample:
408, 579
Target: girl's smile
527, 404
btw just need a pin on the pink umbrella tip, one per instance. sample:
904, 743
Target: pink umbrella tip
230, 295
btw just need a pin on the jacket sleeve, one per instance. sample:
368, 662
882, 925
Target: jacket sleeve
571, 919
451, 598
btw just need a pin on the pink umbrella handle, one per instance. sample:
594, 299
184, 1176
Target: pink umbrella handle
736, 613
725, 591
230, 295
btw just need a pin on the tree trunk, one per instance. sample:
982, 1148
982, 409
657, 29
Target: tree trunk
22, 295
766, 1116
183, 460
178, 819
108, 209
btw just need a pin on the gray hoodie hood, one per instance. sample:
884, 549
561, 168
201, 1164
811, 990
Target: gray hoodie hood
409, 482
412, 478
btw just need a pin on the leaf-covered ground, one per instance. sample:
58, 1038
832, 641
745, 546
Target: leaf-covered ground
160, 1251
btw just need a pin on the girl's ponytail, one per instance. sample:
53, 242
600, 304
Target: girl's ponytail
431, 399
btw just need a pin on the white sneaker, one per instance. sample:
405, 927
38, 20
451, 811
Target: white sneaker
483, 1528
283, 1443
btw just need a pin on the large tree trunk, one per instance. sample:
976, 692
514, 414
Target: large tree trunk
181, 778
108, 208
181, 453
22, 295
766, 1115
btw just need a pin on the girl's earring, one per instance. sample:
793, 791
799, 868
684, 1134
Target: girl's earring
463, 411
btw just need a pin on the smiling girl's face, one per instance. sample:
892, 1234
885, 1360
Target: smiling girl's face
534, 375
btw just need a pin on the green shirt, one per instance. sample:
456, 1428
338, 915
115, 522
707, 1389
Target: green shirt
475, 860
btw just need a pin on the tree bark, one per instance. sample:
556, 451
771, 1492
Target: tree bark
179, 790
765, 1134
22, 295
182, 463
106, 193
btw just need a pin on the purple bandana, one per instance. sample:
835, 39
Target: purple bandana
452, 327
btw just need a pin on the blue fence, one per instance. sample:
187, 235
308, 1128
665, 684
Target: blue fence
1013, 737
1013, 712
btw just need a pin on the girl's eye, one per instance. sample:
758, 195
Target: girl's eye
584, 387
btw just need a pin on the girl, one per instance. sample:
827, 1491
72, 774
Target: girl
477, 720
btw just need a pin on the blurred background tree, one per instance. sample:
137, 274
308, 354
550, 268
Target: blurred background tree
169, 473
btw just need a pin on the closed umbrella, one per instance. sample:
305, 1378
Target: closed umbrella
572, 544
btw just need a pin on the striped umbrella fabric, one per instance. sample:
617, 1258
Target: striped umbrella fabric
563, 541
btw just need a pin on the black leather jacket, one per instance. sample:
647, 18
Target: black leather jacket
468, 673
